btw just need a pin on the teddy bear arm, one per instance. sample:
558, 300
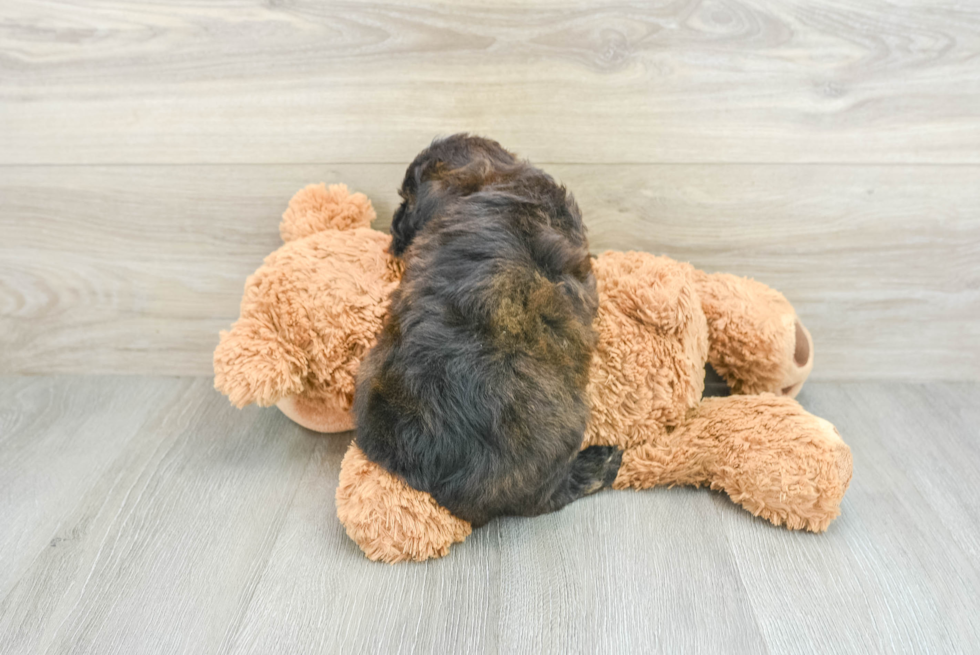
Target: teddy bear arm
388, 520
756, 341
252, 364
766, 452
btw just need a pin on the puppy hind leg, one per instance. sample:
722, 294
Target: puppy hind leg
593, 469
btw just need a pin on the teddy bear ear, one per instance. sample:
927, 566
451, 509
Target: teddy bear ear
318, 207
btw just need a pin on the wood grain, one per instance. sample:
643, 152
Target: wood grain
56, 442
565, 82
163, 551
192, 527
135, 269
599, 576
896, 570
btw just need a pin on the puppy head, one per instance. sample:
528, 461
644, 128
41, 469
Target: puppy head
450, 168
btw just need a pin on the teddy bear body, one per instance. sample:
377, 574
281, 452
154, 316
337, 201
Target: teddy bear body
311, 312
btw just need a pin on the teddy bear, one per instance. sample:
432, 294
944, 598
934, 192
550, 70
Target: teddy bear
312, 310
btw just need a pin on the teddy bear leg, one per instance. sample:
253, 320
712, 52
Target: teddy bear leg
390, 521
756, 341
769, 454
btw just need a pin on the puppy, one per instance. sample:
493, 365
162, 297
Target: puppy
475, 391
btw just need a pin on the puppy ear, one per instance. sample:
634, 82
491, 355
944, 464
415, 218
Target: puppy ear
402, 229
415, 211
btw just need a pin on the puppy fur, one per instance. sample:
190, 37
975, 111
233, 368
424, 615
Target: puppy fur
475, 390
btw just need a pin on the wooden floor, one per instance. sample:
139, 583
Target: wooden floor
144, 514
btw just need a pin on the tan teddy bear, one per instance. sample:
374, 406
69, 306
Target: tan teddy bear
312, 309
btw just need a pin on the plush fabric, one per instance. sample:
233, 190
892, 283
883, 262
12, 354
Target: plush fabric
311, 312
319, 207
389, 520
766, 452
757, 342
648, 368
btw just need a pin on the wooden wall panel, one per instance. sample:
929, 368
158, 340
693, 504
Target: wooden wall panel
135, 268
566, 81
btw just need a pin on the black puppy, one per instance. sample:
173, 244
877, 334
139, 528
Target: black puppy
475, 391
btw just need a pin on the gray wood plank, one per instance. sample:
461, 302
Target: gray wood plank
320, 594
57, 438
602, 575
205, 529
625, 572
164, 551
744, 81
939, 451
136, 269
898, 571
